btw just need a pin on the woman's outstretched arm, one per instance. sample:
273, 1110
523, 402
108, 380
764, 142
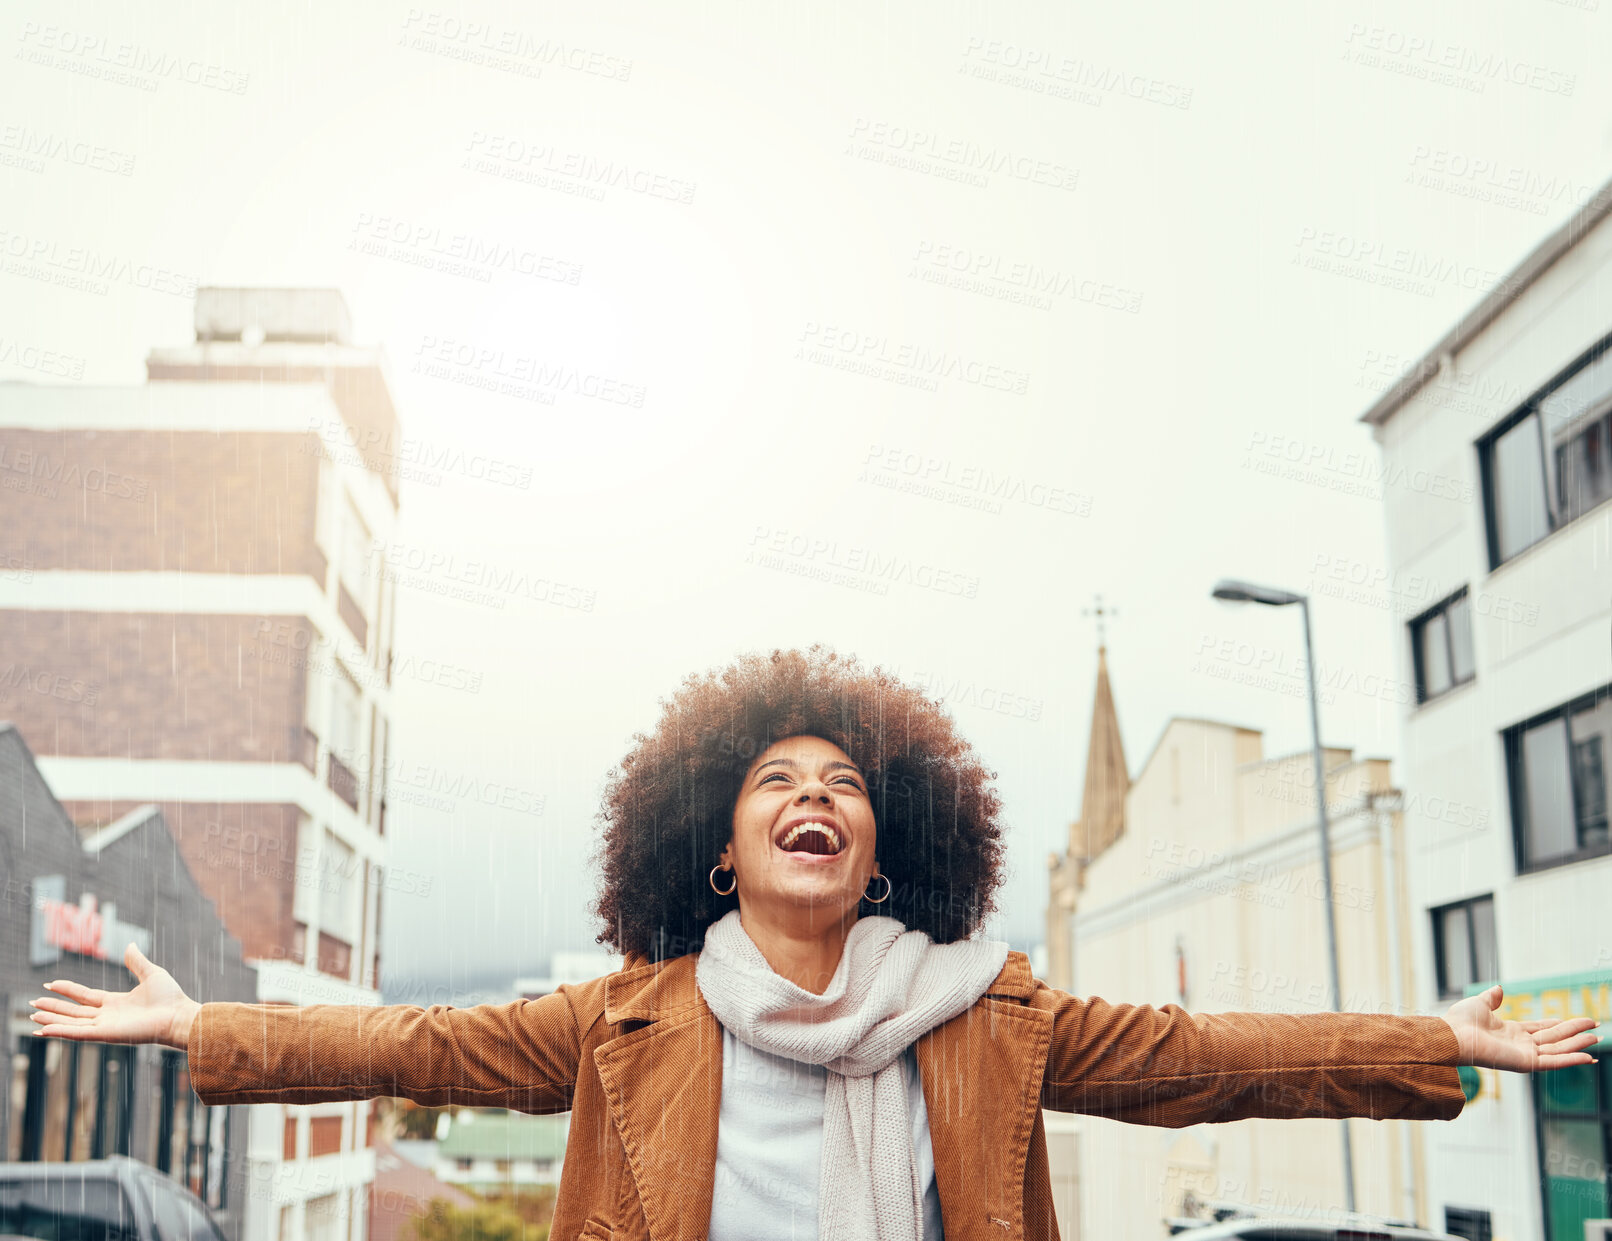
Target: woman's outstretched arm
521, 1055
1166, 1066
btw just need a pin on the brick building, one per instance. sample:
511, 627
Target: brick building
194, 614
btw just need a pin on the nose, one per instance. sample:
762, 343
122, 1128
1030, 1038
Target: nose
815, 788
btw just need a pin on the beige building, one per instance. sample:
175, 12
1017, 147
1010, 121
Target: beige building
1200, 885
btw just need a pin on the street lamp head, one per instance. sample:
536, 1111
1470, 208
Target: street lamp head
1233, 591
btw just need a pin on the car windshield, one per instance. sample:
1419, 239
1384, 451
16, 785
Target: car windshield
66, 1208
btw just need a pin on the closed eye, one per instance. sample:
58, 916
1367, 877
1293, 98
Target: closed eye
780, 775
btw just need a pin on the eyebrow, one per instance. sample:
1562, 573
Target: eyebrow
789, 762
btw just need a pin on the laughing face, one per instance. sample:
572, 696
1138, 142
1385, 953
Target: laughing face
803, 831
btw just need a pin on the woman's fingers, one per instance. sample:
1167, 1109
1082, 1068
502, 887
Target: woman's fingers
63, 1007
1555, 1031
77, 991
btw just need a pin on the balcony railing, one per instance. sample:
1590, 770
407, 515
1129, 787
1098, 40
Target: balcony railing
343, 783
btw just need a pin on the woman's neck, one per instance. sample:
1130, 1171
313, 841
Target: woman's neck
802, 945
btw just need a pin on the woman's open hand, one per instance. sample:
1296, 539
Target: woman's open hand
156, 1011
1521, 1046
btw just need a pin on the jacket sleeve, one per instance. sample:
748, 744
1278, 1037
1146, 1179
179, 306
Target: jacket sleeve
521, 1055
1166, 1066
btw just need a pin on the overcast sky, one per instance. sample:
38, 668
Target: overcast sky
1187, 246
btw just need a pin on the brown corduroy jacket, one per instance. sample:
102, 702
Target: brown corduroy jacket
636, 1057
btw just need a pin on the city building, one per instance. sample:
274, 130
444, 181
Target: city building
488, 1149
1199, 884
195, 614
567, 967
71, 903
402, 1190
1496, 468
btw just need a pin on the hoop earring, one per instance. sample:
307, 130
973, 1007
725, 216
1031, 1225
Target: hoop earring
711, 879
879, 900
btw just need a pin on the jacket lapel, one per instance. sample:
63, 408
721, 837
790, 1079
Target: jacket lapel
981, 1075
663, 1079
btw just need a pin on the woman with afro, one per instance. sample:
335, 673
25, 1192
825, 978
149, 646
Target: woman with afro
808, 1038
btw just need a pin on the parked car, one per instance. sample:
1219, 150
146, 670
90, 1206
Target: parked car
1276, 1228
112, 1199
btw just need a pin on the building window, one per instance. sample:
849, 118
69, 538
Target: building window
1556, 765
1573, 1109
1441, 645
355, 556
1468, 1222
338, 889
1552, 462
1464, 945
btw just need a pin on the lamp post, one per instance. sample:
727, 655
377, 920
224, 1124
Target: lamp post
1245, 592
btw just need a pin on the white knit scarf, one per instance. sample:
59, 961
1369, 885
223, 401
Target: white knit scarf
891, 986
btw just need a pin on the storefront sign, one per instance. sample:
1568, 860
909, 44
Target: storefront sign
57, 927
1559, 998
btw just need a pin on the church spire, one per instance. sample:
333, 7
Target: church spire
1102, 802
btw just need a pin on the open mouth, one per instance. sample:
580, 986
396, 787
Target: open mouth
814, 837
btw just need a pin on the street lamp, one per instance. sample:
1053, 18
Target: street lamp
1233, 591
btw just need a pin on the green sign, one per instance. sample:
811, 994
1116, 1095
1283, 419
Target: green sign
1560, 997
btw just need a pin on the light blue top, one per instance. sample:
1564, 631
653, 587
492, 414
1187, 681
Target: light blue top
769, 1146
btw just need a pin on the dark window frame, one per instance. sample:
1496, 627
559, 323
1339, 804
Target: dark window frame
1516, 786
1436, 914
1418, 626
1477, 1220
1530, 408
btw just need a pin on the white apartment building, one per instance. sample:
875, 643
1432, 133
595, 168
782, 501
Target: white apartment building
1497, 472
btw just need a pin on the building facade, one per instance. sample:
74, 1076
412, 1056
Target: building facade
71, 903
1212, 899
195, 614
1497, 472
490, 1150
